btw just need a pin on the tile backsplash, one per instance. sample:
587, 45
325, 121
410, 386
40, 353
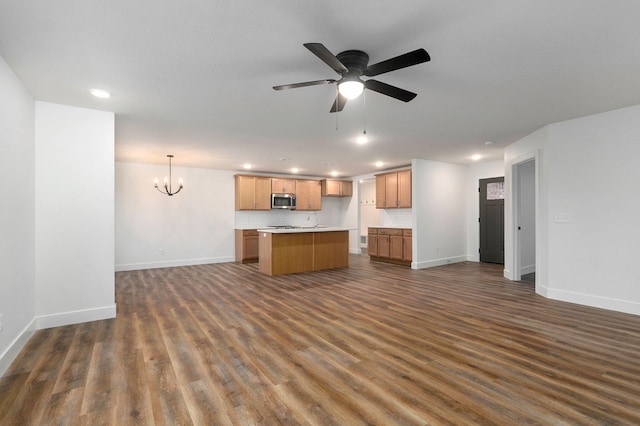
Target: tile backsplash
260, 219
396, 218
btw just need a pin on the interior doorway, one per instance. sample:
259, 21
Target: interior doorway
524, 203
492, 220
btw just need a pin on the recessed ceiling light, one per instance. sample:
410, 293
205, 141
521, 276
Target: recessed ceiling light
294, 170
334, 173
487, 143
379, 163
476, 157
247, 166
283, 158
99, 93
362, 139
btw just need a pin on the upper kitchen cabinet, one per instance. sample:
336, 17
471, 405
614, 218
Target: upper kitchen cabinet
253, 192
283, 186
308, 195
393, 190
336, 188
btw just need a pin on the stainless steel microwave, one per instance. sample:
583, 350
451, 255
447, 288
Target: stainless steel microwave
283, 201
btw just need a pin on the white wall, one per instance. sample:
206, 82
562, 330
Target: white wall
587, 171
439, 213
154, 230
475, 172
17, 215
74, 215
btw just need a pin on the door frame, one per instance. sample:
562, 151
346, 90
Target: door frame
514, 191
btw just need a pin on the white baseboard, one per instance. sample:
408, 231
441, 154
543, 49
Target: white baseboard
355, 251
594, 301
75, 317
172, 263
524, 270
438, 262
10, 354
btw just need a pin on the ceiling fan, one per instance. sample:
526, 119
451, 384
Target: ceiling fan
351, 65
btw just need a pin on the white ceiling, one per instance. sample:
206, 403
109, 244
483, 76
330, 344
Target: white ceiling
194, 77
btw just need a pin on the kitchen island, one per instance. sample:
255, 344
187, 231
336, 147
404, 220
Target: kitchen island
302, 249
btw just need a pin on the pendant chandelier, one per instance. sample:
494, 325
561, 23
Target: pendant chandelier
167, 182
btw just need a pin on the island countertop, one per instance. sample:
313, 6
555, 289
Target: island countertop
301, 229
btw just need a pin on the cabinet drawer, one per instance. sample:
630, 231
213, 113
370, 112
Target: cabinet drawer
372, 230
406, 232
250, 232
389, 231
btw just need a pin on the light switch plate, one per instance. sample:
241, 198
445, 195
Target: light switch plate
562, 218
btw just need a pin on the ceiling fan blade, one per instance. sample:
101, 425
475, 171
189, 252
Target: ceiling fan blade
304, 84
418, 56
389, 90
339, 103
326, 56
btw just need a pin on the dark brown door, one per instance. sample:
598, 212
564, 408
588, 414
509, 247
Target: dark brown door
492, 220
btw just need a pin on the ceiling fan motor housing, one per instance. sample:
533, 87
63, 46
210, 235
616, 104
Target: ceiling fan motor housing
355, 60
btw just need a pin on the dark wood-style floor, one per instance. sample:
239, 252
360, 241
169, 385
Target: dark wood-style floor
371, 344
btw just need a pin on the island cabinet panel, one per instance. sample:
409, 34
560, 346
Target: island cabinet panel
246, 245
283, 186
330, 250
393, 245
308, 195
253, 193
285, 253
291, 252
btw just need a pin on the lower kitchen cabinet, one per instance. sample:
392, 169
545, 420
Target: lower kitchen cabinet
391, 245
372, 242
246, 245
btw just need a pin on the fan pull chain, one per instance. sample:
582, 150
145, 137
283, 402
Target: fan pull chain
364, 112
337, 103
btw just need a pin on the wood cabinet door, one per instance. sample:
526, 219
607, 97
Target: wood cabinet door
408, 249
395, 247
383, 245
381, 185
250, 247
302, 195
262, 193
391, 191
404, 189
315, 195
332, 188
245, 193
346, 188
372, 244
283, 186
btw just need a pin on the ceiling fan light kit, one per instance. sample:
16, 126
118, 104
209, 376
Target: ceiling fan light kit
351, 89
351, 65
